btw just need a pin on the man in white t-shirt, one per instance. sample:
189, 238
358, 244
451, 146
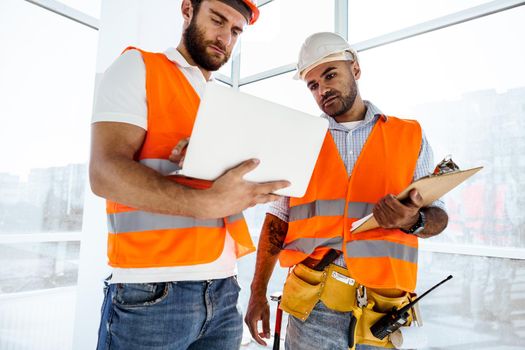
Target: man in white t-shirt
173, 241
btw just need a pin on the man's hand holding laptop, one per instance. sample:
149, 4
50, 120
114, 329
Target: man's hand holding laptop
232, 186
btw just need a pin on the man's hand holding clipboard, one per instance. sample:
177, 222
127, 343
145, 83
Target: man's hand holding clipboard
446, 177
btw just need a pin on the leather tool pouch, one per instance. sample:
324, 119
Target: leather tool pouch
377, 307
304, 287
302, 290
339, 291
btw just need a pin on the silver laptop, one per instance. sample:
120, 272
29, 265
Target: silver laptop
232, 127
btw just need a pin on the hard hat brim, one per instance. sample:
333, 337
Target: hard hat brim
254, 9
336, 56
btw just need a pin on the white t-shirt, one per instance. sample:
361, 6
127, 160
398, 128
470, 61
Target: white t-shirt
352, 125
121, 97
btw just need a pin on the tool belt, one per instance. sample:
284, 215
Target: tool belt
305, 287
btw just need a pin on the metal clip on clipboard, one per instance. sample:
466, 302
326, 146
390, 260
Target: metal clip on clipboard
447, 165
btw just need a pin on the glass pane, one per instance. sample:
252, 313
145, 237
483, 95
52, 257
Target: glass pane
41, 320
277, 36
49, 77
35, 266
221, 83
286, 91
47, 200
89, 7
480, 308
465, 85
37, 295
371, 18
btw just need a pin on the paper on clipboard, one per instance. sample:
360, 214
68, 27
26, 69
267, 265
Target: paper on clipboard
430, 187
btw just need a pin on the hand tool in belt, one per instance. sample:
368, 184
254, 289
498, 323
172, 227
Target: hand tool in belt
278, 320
320, 265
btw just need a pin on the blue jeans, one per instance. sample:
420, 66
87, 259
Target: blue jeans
324, 329
190, 315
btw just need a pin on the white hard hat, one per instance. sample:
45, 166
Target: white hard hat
320, 48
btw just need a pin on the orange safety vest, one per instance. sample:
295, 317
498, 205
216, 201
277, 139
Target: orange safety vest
144, 239
322, 219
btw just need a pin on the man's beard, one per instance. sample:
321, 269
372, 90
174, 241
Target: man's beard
346, 101
196, 45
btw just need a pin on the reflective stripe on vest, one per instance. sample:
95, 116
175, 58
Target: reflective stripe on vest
235, 217
137, 221
357, 210
327, 207
379, 249
163, 166
335, 207
308, 245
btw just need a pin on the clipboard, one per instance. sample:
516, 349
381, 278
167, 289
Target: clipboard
431, 188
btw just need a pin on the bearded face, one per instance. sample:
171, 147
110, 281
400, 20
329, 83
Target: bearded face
334, 86
336, 103
208, 54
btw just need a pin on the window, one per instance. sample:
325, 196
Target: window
479, 308
285, 90
465, 85
276, 38
368, 19
90, 7
48, 77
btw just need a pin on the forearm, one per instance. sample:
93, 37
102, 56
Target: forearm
270, 245
126, 181
436, 220
116, 175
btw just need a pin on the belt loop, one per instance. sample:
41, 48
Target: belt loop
107, 281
